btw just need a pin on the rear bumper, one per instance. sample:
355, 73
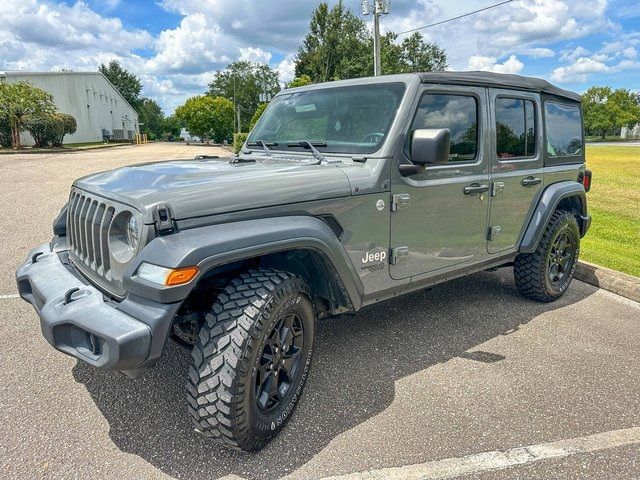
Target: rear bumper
78, 320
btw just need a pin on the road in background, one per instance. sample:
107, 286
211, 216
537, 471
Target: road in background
464, 368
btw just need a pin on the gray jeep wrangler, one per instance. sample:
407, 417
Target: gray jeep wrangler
345, 194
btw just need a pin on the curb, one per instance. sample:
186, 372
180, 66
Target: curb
63, 150
613, 281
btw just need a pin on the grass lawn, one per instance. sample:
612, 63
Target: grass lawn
609, 138
614, 203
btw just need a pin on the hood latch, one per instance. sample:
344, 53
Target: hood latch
163, 217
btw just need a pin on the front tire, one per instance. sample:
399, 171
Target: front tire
545, 274
252, 359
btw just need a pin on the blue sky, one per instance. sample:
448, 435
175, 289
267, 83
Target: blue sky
175, 46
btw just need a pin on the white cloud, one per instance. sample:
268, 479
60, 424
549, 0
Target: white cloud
180, 61
539, 52
196, 45
490, 64
522, 23
578, 71
287, 68
572, 54
255, 55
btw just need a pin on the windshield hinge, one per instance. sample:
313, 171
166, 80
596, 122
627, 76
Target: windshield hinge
163, 218
400, 200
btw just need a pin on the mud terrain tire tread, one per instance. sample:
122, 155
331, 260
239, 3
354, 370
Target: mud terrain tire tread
224, 353
530, 268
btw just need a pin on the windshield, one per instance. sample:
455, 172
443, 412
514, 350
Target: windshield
335, 120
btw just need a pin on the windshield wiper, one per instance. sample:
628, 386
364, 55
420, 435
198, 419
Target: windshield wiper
311, 146
265, 146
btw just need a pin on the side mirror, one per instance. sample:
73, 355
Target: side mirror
430, 146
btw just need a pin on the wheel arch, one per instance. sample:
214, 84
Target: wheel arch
566, 195
303, 245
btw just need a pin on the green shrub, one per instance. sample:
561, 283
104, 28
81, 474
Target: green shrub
238, 141
50, 129
257, 114
5, 132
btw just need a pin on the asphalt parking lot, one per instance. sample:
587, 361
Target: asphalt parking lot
442, 383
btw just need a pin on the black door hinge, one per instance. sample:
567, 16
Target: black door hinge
163, 217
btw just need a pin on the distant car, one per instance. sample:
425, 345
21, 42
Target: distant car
345, 194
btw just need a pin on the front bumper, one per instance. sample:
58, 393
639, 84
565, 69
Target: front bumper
77, 319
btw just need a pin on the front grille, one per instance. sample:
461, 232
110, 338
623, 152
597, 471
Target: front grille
88, 230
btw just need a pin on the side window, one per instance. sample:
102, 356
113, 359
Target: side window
458, 113
563, 128
515, 128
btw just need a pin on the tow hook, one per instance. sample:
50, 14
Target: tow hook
34, 259
67, 296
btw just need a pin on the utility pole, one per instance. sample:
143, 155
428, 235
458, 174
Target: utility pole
234, 105
376, 8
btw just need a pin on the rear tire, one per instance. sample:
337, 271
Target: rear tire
252, 358
545, 274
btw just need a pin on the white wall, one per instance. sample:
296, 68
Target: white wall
630, 132
88, 96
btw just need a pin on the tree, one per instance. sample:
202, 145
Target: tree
300, 81
420, 56
606, 110
339, 46
245, 81
127, 83
207, 117
151, 117
171, 127
335, 46
19, 101
5, 132
257, 114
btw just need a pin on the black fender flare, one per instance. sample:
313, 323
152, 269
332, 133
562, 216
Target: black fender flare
547, 204
216, 245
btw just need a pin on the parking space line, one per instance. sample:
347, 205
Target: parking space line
496, 460
6, 297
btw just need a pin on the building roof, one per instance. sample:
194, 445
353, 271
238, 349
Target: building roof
499, 80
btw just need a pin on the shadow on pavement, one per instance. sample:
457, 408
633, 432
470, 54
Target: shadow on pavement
357, 361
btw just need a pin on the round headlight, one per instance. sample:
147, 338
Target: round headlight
124, 237
133, 232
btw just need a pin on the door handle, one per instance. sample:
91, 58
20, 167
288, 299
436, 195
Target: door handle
530, 181
475, 188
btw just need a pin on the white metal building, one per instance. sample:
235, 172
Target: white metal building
630, 132
98, 107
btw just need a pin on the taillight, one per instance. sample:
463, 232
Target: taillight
585, 179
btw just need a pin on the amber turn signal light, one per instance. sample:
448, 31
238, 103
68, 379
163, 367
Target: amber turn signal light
180, 276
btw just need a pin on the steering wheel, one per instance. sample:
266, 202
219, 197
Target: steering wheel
373, 137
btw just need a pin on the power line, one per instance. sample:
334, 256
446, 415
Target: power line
455, 18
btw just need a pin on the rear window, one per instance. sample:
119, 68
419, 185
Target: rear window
564, 129
515, 128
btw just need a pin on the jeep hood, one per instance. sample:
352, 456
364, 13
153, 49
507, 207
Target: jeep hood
195, 188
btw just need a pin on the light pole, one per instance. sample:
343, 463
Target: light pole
376, 8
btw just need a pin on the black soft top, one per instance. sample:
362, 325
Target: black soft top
488, 79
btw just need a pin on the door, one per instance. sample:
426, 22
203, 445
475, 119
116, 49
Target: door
439, 216
516, 166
